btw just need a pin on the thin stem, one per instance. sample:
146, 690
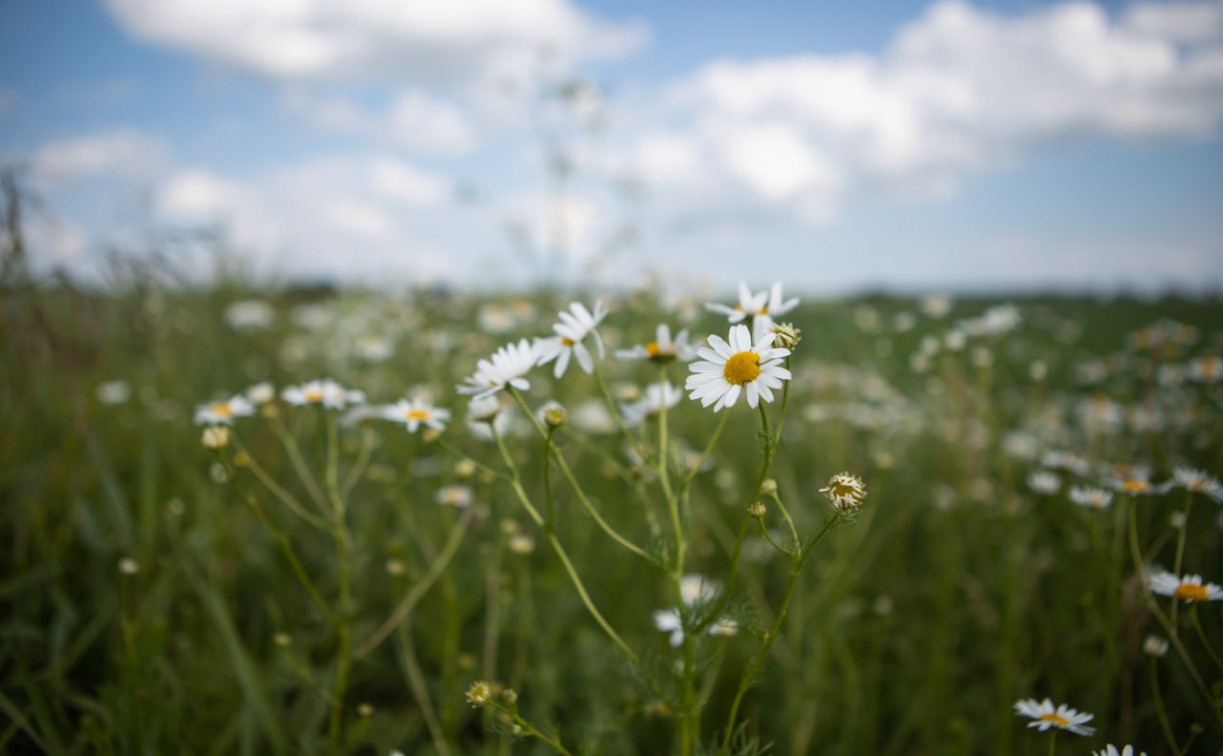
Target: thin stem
279, 492
700, 462
765, 532
516, 484
529, 729
785, 402
422, 586
618, 415
1197, 623
1182, 532
343, 546
363, 457
416, 681
789, 520
1160, 712
299, 462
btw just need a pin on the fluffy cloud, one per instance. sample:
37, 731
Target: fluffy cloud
414, 119
958, 91
455, 41
123, 153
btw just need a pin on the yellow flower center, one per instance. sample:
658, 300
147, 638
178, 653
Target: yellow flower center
656, 353
839, 490
1189, 592
1136, 485
314, 395
741, 368
1056, 719
223, 409
418, 414
653, 349
565, 341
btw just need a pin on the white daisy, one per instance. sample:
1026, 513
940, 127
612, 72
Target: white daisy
1063, 717
223, 413
456, 496
668, 621
1196, 480
1111, 750
661, 349
657, 396
762, 308
575, 326
325, 392
727, 369
1093, 498
506, 367
1188, 588
846, 492
1044, 482
413, 413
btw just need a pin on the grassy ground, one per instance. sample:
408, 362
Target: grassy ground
154, 599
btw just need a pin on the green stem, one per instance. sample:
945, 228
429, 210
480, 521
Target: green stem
363, 457
1160, 712
299, 463
616, 414
1197, 623
278, 491
343, 546
700, 462
1182, 532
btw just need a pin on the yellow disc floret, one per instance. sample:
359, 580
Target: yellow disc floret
1056, 719
1191, 592
742, 368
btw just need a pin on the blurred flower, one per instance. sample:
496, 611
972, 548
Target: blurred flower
1093, 498
261, 393
456, 496
1199, 482
215, 437
413, 413
1044, 482
661, 349
846, 492
1155, 645
223, 413
114, 392
1188, 588
1063, 717
725, 369
657, 396
249, 315
761, 308
506, 367
325, 392
1111, 750
128, 566
575, 326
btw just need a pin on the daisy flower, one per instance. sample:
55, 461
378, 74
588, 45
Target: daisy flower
506, 367
456, 496
1063, 717
761, 308
223, 413
1111, 750
1092, 498
727, 369
1196, 480
668, 621
661, 349
1188, 588
575, 326
1044, 482
325, 392
657, 396
846, 492
414, 412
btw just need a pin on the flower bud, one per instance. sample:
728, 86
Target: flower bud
786, 335
757, 510
215, 437
768, 487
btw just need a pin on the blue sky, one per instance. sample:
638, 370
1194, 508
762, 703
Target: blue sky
915, 146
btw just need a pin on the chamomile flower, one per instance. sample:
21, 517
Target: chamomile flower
325, 392
1092, 498
413, 413
668, 621
1044, 482
661, 349
1111, 750
760, 308
1063, 717
726, 369
223, 413
576, 324
1199, 482
506, 367
1188, 588
657, 396
457, 496
845, 492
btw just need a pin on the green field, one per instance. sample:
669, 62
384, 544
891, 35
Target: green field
305, 589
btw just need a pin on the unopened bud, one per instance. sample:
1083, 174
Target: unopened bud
768, 487
554, 415
786, 335
215, 437
757, 510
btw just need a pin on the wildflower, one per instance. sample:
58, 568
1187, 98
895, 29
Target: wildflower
114, 392
223, 413
846, 492
553, 415
249, 315
661, 349
1044, 482
1135, 481
698, 589
479, 693
1063, 717
657, 396
1111, 750
215, 437
1188, 588
261, 393
455, 496
757, 510
521, 543
725, 369
506, 367
1198, 481
768, 487
413, 413
788, 335
1093, 498
724, 627
1206, 369
1155, 645
668, 621
325, 392
575, 326
483, 409
760, 308
128, 566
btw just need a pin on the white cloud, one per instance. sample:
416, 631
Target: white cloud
123, 153
958, 91
438, 42
415, 119
352, 217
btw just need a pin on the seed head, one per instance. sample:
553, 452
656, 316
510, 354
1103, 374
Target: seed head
479, 693
846, 492
787, 336
757, 510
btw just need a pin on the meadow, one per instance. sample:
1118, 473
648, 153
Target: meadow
580, 567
